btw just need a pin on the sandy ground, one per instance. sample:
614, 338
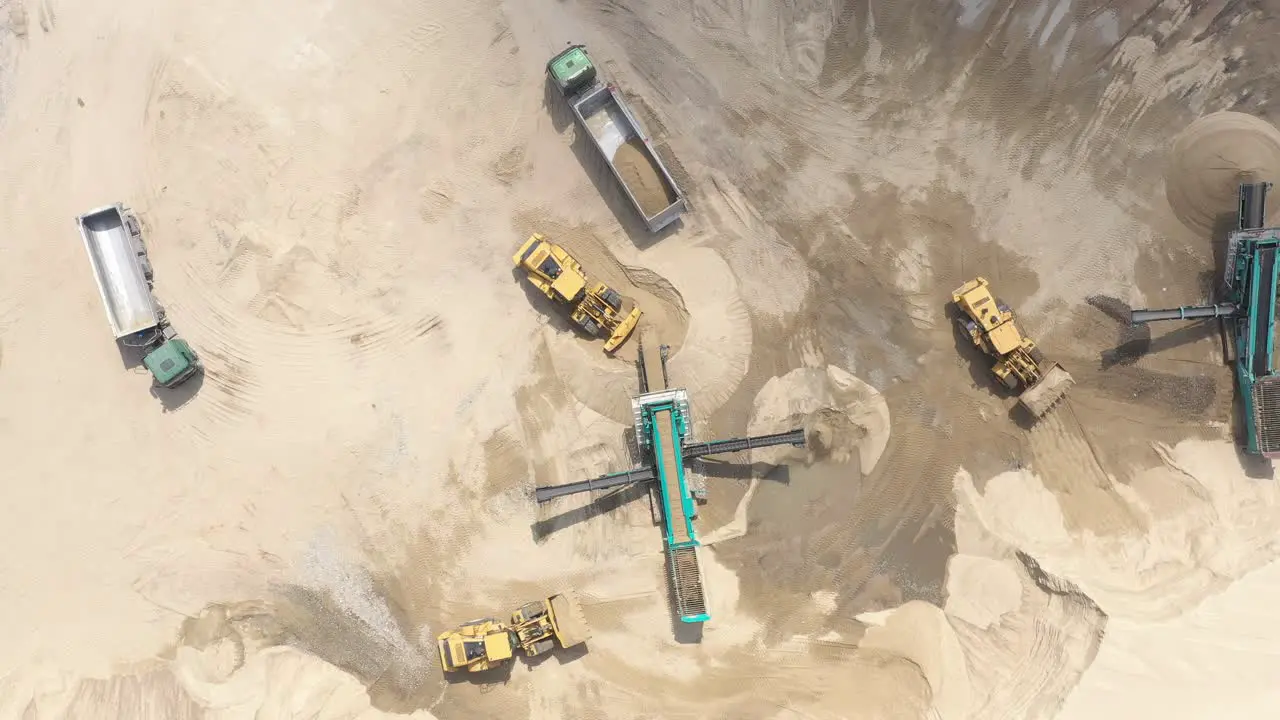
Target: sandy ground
331, 193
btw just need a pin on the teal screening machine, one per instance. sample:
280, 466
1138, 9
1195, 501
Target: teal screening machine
1249, 312
664, 436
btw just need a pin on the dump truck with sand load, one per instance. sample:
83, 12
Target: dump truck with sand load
594, 307
616, 134
534, 628
113, 240
989, 323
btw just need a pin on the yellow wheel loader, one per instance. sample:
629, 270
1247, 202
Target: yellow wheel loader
535, 628
1019, 363
596, 308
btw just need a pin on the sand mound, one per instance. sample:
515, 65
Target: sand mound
841, 415
921, 633
1211, 157
641, 175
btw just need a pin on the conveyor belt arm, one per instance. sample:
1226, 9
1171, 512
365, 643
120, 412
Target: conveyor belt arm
716, 447
604, 482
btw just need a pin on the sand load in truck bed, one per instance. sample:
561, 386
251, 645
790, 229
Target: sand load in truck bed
641, 175
618, 136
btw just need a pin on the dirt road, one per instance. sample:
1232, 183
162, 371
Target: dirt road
332, 192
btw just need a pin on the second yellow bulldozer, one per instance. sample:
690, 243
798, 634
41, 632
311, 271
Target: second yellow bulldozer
594, 307
535, 628
1019, 363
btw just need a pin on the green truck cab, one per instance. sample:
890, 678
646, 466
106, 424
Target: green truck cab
172, 363
572, 70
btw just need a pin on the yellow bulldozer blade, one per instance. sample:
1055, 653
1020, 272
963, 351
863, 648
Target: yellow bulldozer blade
571, 623
1045, 394
623, 330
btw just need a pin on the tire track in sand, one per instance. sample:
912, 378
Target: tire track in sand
322, 290
1068, 465
244, 356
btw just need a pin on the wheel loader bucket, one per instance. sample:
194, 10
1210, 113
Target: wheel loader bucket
571, 624
1040, 398
623, 331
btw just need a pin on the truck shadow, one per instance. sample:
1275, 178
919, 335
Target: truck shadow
601, 175
173, 398
130, 356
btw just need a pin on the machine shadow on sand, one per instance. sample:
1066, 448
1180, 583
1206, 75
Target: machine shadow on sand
601, 177
493, 676
602, 505
1254, 466
563, 655
724, 470
1135, 341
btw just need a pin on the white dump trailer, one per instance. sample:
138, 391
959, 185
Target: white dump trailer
113, 240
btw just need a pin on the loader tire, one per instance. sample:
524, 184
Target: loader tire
613, 299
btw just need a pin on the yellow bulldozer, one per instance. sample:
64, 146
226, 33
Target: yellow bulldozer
534, 628
596, 308
1019, 363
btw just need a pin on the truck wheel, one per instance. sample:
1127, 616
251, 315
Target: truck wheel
612, 297
591, 328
